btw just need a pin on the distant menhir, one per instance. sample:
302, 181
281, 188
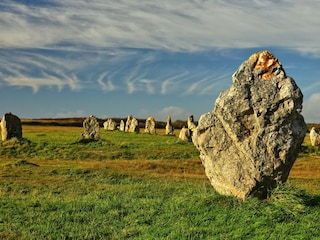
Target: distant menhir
91, 129
10, 127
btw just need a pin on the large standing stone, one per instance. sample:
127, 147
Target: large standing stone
185, 134
10, 127
134, 126
191, 125
169, 126
128, 123
91, 128
150, 126
250, 141
110, 124
315, 137
122, 125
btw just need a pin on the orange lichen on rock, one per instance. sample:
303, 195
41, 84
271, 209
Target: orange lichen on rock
265, 64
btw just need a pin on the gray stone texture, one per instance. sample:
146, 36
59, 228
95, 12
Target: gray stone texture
91, 128
251, 139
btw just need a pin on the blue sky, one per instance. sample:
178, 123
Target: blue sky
74, 58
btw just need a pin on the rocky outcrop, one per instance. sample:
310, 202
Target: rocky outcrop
91, 129
250, 140
150, 126
10, 127
169, 126
315, 137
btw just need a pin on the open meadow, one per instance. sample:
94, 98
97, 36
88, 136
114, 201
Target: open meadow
140, 186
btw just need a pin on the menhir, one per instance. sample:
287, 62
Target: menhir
251, 139
11, 127
91, 129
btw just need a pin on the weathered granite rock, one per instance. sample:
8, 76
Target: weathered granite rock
110, 125
315, 137
185, 134
150, 126
250, 140
169, 126
91, 129
10, 127
122, 125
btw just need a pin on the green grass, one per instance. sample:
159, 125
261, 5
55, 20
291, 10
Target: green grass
89, 203
64, 144
52, 189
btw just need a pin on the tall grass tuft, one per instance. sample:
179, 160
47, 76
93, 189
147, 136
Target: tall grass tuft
289, 200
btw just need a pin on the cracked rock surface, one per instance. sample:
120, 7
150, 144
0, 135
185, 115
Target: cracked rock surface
251, 139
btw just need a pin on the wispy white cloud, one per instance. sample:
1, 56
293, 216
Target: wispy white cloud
35, 71
147, 84
72, 81
140, 83
171, 83
199, 84
216, 84
36, 83
162, 24
106, 85
118, 45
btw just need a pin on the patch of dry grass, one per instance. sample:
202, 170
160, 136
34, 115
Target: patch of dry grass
305, 174
49, 129
306, 168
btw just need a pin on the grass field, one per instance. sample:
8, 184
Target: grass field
140, 186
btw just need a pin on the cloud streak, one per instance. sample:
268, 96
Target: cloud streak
36, 83
108, 84
177, 25
171, 83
